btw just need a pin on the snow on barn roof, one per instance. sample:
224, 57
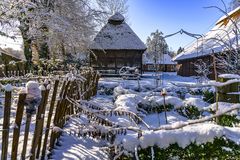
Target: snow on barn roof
165, 59
117, 35
234, 14
210, 43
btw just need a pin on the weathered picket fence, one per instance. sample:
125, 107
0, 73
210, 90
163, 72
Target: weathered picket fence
51, 114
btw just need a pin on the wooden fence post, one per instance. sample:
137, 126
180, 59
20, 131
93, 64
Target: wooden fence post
6, 121
26, 133
55, 120
42, 123
64, 105
37, 126
50, 113
17, 125
62, 108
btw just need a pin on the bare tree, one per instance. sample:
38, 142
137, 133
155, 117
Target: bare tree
110, 7
202, 69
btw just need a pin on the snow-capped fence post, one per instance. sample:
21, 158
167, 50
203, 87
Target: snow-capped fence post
50, 113
32, 102
37, 129
17, 125
6, 121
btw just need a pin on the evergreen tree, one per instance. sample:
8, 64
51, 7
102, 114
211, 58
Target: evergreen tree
156, 45
180, 49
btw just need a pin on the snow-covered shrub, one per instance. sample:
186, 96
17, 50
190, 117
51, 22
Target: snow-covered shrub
193, 107
228, 120
189, 111
222, 106
121, 91
105, 91
181, 93
196, 91
128, 102
106, 88
156, 109
208, 96
197, 102
156, 103
220, 147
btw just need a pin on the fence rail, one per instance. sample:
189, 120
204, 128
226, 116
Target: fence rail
52, 113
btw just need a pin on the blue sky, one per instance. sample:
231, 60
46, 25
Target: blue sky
169, 16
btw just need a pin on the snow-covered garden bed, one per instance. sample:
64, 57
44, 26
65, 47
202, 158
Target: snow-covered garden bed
138, 121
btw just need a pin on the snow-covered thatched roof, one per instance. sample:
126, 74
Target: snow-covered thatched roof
13, 53
220, 38
148, 58
117, 35
12, 47
15, 44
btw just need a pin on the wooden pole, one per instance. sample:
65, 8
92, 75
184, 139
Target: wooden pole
6, 123
165, 109
17, 125
26, 133
37, 127
55, 120
42, 124
50, 113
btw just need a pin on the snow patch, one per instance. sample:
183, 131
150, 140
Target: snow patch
222, 107
155, 101
33, 89
230, 76
8, 88
197, 102
183, 137
128, 102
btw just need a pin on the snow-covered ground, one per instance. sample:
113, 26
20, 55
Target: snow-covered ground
126, 99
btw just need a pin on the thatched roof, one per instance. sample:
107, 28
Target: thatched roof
224, 30
14, 53
117, 35
12, 47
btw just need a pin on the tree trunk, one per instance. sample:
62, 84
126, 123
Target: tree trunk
27, 47
26, 44
44, 51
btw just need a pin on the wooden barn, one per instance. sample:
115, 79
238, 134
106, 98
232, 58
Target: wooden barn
209, 45
116, 45
164, 64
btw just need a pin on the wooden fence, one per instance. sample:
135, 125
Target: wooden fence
51, 115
